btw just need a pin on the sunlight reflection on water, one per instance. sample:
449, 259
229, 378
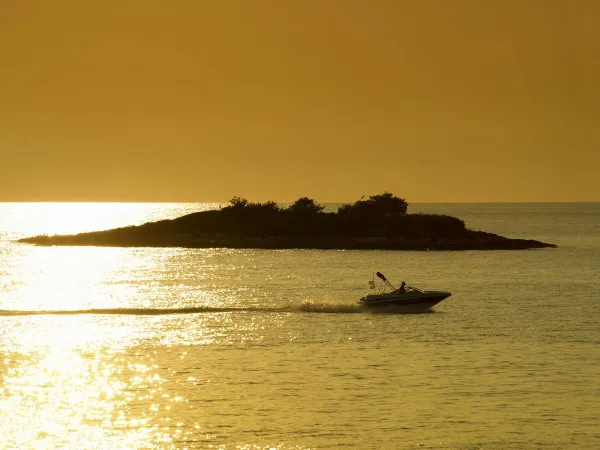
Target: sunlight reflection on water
65, 399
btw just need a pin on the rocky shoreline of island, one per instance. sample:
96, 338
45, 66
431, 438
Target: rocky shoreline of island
379, 223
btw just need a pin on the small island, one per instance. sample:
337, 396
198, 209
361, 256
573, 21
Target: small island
378, 223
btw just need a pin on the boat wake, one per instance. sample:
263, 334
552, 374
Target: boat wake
341, 308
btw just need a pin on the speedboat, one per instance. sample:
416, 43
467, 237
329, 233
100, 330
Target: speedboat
407, 299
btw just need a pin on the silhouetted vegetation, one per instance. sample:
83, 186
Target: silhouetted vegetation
385, 204
380, 222
305, 206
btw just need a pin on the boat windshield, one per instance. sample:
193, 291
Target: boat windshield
408, 289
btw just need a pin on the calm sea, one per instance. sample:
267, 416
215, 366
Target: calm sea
273, 353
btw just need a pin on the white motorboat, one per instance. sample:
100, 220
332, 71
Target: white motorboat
405, 299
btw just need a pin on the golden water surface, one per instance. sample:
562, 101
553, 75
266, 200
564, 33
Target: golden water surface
115, 348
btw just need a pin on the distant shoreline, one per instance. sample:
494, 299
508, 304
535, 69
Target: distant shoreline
475, 242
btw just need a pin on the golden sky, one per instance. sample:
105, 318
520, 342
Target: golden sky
202, 100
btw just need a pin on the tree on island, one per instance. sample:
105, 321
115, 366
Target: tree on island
239, 204
382, 205
305, 205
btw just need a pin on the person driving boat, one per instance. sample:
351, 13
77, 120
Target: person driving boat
402, 289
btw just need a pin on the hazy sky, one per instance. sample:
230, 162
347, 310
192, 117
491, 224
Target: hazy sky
202, 100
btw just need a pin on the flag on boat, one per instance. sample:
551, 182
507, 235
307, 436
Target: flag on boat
372, 284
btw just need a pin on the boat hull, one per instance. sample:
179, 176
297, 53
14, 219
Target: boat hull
407, 303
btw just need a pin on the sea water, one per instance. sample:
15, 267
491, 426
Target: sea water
131, 348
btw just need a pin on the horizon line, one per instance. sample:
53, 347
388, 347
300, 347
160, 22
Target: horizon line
320, 202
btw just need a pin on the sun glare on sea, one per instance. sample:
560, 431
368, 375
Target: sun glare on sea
65, 379
69, 278
60, 392
49, 278
69, 218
